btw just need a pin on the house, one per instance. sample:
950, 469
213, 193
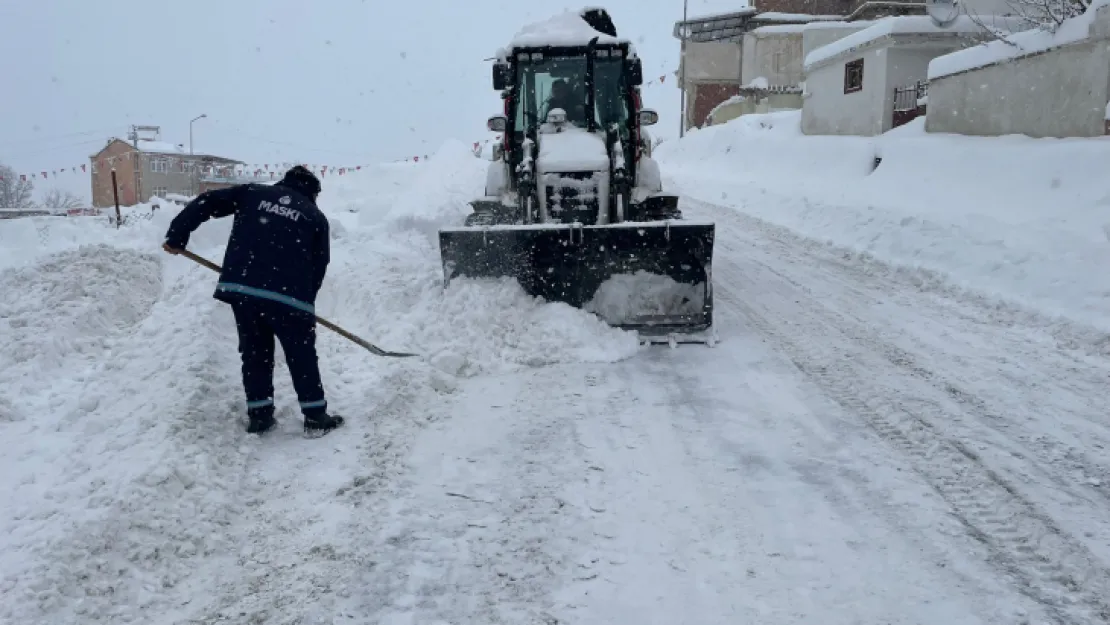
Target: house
1038, 83
851, 83
725, 55
147, 167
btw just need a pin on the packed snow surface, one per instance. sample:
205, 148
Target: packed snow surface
1028, 41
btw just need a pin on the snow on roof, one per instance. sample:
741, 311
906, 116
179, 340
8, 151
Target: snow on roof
779, 29
565, 29
160, 147
831, 24
1030, 41
799, 18
705, 9
901, 25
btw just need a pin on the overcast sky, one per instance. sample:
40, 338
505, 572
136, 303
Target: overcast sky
329, 82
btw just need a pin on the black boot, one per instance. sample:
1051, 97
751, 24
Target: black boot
318, 425
261, 424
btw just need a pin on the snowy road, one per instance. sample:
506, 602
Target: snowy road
861, 448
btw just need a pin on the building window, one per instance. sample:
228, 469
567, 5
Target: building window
853, 76
159, 166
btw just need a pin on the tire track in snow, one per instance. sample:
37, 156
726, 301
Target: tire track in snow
1044, 562
478, 527
1079, 368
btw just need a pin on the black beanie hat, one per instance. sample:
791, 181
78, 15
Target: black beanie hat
302, 178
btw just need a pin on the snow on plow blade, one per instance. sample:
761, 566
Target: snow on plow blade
651, 277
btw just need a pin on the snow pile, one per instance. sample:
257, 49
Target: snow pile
349, 194
1029, 41
435, 194
122, 455
392, 285
624, 298
1022, 219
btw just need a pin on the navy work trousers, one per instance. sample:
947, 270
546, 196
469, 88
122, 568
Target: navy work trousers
258, 324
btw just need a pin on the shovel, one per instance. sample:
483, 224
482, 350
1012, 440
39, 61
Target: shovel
324, 322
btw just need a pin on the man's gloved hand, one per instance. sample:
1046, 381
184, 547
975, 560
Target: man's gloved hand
170, 250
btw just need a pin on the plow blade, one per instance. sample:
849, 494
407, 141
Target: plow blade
650, 277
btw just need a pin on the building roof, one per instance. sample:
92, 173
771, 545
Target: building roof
888, 29
732, 26
147, 146
717, 27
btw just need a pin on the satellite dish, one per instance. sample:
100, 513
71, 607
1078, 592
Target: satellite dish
942, 12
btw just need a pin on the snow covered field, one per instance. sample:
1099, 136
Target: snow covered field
867, 444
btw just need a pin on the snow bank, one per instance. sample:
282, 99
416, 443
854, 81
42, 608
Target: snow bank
121, 459
1029, 41
1023, 219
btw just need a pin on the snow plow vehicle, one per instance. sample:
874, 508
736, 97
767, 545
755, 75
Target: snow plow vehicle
574, 208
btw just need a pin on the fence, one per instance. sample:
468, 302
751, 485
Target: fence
908, 102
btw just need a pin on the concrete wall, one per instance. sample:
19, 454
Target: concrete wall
816, 35
769, 104
775, 55
712, 61
827, 110
1058, 93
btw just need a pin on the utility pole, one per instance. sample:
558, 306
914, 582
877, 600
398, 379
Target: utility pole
191, 130
682, 71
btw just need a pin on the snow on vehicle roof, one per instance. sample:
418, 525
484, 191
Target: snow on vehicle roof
1018, 44
566, 29
901, 25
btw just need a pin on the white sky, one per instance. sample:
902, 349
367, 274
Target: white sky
329, 82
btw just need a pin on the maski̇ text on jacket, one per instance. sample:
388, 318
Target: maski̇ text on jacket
278, 209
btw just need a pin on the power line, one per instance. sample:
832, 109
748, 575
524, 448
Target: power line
100, 131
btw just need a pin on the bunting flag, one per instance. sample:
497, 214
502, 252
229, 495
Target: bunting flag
246, 172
